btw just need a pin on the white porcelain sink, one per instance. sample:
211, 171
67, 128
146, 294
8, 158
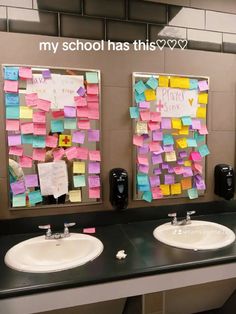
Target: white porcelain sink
199, 235
38, 255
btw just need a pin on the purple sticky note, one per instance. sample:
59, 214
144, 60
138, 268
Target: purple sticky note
198, 177
14, 140
94, 181
187, 172
81, 91
157, 135
18, 187
169, 179
168, 148
180, 161
166, 123
156, 159
78, 137
143, 149
143, 169
183, 154
196, 124
171, 169
46, 74
157, 171
93, 167
144, 105
93, 135
154, 181
69, 112
203, 85
31, 180
200, 185
165, 165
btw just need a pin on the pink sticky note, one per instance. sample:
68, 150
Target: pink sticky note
92, 89
166, 123
154, 146
93, 114
39, 117
143, 168
94, 167
78, 137
31, 99
58, 114
196, 124
157, 135
93, 98
71, 152
84, 124
43, 104
203, 85
195, 156
82, 112
144, 104
178, 170
69, 112
31, 180
25, 73
155, 116
27, 128
93, 135
14, 140
153, 125
89, 230
80, 101
145, 115
138, 140
11, 86
82, 153
16, 150
94, 181
18, 187
154, 181
94, 192
25, 162
93, 105
143, 160
143, 149
12, 125
197, 167
188, 172
51, 141
39, 154
94, 155
40, 129
58, 153
203, 130
156, 193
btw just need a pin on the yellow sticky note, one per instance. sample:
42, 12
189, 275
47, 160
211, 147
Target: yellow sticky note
150, 94
203, 98
182, 142
186, 183
170, 156
175, 189
179, 82
187, 163
141, 127
26, 112
201, 112
78, 167
184, 130
75, 196
65, 140
163, 81
165, 189
176, 123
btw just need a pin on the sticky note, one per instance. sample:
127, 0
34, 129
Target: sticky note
165, 189
94, 155
57, 126
12, 99
25, 72
84, 124
39, 129
203, 130
187, 172
71, 153
39, 154
176, 123
155, 116
89, 230
192, 193
43, 104
156, 193
12, 125
18, 187
81, 91
13, 112
143, 149
193, 84
154, 146
14, 140
199, 138
157, 135
141, 127
39, 141
69, 112
64, 140
82, 153
82, 112
178, 170
203, 98
78, 167
75, 196
93, 114
203, 85
58, 114
142, 179
140, 87
58, 154
11, 86
191, 142
168, 148
152, 82
94, 181
11, 73
175, 189
27, 138
157, 171
39, 117
150, 94
46, 74
25, 162
144, 105
51, 141
156, 159
78, 137
16, 150
92, 89
26, 112
197, 167
152, 125
184, 130
163, 81
139, 97
203, 150
92, 99
168, 139
154, 181
186, 183
201, 112
147, 196
35, 197
94, 192
94, 167
196, 124
143, 160
31, 99
70, 124
31, 180
134, 112
91, 77
187, 163
170, 156
19, 200
182, 142
80, 101
166, 123
169, 179
93, 135
195, 156
186, 120
179, 82
79, 181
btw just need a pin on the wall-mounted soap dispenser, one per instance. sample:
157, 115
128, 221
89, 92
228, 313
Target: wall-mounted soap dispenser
224, 181
118, 179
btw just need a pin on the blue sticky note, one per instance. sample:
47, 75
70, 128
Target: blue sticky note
168, 139
27, 139
142, 179
192, 193
13, 112
191, 142
19, 200
147, 196
39, 141
79, 181
91, 77
35, 197
139, 97
57, 126
152, 82
203, 150
140, 87
12, 99
198, 137
186, 120
134, 112
143, 188
70, 124
193, 84
11, 73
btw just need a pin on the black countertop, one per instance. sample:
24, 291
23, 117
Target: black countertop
146, 256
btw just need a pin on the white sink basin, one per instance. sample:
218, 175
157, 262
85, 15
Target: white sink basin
199, 235
38, 255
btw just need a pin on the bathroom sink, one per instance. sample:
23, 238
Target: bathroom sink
198, 235
38, 255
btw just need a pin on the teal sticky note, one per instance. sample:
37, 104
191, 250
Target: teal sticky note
134, 112
39, 141
27, 139
11, 73
152, 82
168, 139
191, 142
193, 84
13, 112
79, 181
57, 126
140, 87
142, 179
198, 137
144, 188
147, 196
12, 99
186, 120
139, 97
19, 200
35, 197
70, 124
192, 193
91, 77
203, 150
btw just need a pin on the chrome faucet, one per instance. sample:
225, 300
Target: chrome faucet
49, 235
182, 222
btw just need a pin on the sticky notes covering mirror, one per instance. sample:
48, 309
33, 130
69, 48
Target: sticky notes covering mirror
169, 121
53, 135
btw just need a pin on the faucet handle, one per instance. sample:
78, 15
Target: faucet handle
46, 227
189, 213
66, 227
174, 216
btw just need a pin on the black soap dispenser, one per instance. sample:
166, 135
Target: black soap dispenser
224, 181
118, 179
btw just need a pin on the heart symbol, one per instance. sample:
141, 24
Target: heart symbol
182, 43
161, 43
171, 43
190, 101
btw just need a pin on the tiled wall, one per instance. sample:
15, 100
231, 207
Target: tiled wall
200, 22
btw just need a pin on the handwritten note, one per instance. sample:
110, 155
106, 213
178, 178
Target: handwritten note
11, 73
75, 196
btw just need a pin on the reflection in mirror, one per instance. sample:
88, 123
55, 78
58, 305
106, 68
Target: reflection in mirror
53, 135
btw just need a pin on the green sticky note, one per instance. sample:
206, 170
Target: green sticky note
139, 97
39, 141
203, 150
91, 77
27, 139
70, 124
198, 137
192, 193
134, 112
140, 87
193, 84
19, 200
186, 120
152, 82
144, 188
57, 126
142, 179
147, 196
168, 139
13, 112
35, 197
191, 142
79, 181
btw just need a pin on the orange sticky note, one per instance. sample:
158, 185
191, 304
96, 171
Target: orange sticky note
175, 189
186, 183
201, 112
165, 189
163, 81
